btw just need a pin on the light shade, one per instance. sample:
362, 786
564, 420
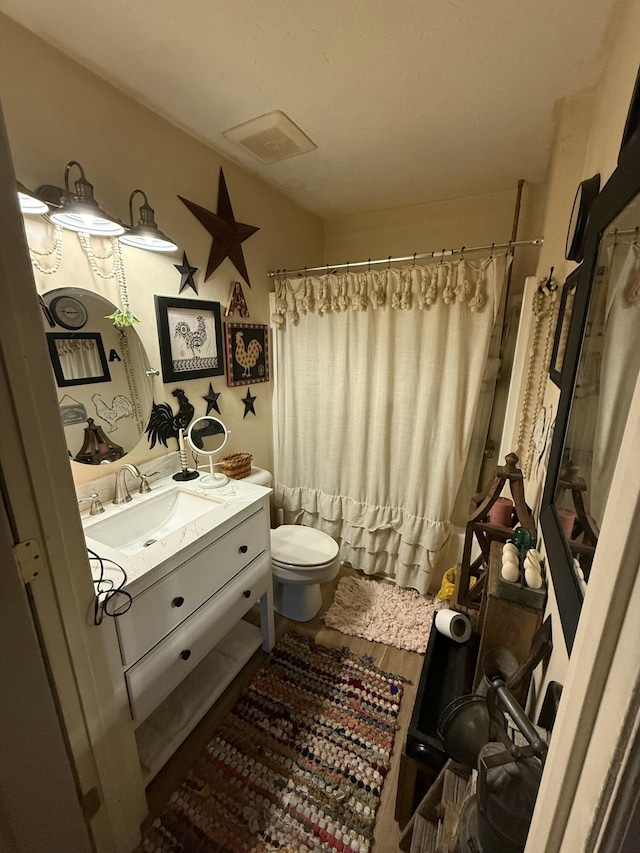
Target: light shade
81, 212
146, 234
30, 204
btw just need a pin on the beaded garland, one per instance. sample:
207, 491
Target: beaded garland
298, 764
55, 250
544, 309
124, 317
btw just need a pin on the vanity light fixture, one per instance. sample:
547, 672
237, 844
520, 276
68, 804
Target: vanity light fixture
30, 204
146, 234
79, 211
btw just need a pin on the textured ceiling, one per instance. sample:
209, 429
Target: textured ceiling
408, 102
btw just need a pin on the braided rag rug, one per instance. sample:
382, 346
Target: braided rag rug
297, 766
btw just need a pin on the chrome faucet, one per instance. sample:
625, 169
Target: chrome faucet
122, 495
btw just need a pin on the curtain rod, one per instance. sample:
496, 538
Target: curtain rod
512, 244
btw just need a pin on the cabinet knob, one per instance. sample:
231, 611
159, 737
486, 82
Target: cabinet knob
247, 593
186, 654
243, 549
178, 601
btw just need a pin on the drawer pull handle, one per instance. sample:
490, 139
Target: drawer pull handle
243, 549
186, 654
178, 601
247, 593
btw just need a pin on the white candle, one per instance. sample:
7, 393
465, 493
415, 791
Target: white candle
181, 441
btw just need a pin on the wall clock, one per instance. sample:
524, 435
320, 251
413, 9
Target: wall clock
68, 312
586, 194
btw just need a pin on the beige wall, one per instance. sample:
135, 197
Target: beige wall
56, 111
473, 221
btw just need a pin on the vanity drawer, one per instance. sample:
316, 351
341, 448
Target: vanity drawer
163, 668
163, 606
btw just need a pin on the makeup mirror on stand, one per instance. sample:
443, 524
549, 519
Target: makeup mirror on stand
206, 437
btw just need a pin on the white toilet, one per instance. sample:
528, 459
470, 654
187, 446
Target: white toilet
301, 559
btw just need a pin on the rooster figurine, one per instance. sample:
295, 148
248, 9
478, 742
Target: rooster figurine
247, 358
163, 424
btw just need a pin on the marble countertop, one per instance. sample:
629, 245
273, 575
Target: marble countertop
233, 502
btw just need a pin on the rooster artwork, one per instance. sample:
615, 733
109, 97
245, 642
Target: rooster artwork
120, 407
193, 339
248, 357
247, 354
163, 424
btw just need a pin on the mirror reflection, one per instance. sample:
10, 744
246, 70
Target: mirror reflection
606, 378
207, 436
105, 392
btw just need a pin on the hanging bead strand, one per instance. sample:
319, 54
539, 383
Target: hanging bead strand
56, 250
124, 316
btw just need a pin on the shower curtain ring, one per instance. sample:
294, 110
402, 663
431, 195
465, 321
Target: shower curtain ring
635, 239
492, 247
389, 263
369, 266
414, 259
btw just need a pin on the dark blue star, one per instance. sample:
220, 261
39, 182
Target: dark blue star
186, 272
212, 399
248, 404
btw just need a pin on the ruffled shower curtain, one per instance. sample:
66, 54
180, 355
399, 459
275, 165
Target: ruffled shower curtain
379, 376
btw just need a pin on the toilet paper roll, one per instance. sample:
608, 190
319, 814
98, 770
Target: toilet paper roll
454, 625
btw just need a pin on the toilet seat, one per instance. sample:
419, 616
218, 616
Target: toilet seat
294, 546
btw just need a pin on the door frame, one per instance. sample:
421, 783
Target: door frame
40, 500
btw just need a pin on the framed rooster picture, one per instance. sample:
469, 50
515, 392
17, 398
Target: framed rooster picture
190, 336
247, 353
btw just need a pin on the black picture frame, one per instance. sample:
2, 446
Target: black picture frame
190, 338
58, 368
254, 367
621, 188
632, 124
562, 328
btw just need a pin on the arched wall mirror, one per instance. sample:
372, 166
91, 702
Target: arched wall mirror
103, 376
597, 380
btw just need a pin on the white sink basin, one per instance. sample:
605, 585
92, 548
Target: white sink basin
139, 524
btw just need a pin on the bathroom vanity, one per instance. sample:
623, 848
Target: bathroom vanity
196, 561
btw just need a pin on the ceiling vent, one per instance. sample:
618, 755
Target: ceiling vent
270, 137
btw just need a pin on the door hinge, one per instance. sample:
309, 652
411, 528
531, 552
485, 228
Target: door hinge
90, 804
29, 557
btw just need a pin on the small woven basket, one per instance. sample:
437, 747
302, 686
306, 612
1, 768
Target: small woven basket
237, 465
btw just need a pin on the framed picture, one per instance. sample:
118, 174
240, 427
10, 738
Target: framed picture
247, 353
78, 358
190, 335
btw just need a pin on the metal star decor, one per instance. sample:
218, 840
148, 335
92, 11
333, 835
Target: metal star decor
228, 235
186, 274
212, 399
248, 404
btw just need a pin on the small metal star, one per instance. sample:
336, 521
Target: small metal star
248, 404
212, 399
186, 272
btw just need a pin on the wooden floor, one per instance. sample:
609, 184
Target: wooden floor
408, 664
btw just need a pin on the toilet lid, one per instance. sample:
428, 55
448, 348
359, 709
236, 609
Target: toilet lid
294, 545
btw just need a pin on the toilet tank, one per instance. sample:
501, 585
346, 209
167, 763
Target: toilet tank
259, 476
264, 478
